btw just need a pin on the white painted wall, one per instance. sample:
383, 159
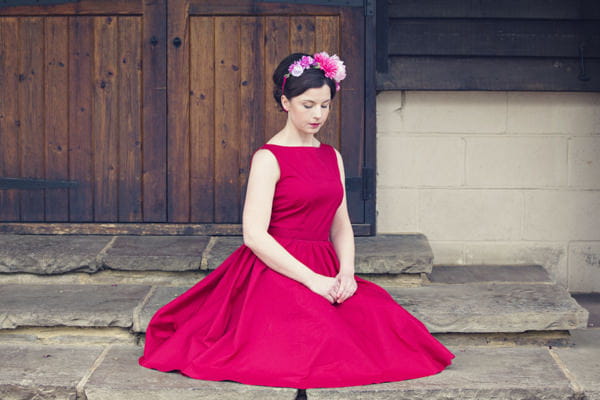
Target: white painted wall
495, 177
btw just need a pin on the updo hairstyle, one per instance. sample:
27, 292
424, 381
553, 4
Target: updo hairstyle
311, 78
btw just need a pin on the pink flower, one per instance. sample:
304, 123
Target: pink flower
296, 69
328, 64
306, 61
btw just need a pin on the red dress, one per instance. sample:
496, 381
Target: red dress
247, 323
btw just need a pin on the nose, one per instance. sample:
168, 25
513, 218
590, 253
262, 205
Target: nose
318, 112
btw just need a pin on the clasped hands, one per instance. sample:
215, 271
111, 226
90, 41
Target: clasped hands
335, 290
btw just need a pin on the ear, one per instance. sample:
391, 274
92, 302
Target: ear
285, 103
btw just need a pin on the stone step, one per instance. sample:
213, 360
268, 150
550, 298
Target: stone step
61, 254
111, 372
480, 307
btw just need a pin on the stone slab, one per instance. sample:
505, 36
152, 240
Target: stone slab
492, 307
50, 254
119, 377
591, 302
476, 373
69, 305
405, 253
43, 372
221, 248
583, 361
156, 253
160, 296
488, 273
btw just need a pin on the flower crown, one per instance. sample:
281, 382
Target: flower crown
333, 67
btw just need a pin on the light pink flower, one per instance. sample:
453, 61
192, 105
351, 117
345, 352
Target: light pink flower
296, 69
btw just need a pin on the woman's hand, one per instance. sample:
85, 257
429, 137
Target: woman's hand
346, 286
325, 286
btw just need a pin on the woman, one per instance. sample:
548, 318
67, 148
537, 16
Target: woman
285, 308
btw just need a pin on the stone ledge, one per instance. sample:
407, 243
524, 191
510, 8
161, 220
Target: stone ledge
475, 374
443, 274
492, 307
119, 377
69, 305
46, 255
60, 254
44, 372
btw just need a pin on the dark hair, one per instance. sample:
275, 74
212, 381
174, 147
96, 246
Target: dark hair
294, 86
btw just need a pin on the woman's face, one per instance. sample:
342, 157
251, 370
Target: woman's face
308, 112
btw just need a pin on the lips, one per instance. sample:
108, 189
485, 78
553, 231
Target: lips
315, 125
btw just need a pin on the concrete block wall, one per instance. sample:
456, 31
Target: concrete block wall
495, 177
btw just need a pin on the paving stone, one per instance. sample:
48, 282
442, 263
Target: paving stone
156, 253
222, 248
492, 307
583, 360
407, 253
119, 377
50, 254
475, 374
591, 302
160, 297
69, 305
488, 273
43, 372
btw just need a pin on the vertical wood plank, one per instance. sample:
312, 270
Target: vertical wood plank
328, 40
202, 119
81, 199
129, 89
56, 120
154, 112
178, 129
353, 98
9, 136
227, 126
302, 34
104, 119
31, 113
251, 94
277, 47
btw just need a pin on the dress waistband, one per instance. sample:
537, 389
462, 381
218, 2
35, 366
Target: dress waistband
296, 234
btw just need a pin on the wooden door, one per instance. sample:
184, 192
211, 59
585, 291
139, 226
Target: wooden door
144, 121
221, 55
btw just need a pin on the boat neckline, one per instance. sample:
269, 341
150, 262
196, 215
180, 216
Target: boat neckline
307, 147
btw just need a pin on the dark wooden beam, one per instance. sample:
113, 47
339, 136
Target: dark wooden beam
489, 73
31, 183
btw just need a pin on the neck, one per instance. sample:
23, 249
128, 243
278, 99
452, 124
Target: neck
293, 137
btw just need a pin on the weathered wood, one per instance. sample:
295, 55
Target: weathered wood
178, 128
89, 7
9, 154
352, 125
30, 183
31, 114
250, 7
484, 73
328, 40
372, 63
154, 114
227, 126
276, 48
493, 37
129, 84
104, 119
302, 34
531, 9
81, 200
202, 119
135, 229
252, 93
56, 117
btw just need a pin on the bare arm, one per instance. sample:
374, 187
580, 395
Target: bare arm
342, 237
264, 174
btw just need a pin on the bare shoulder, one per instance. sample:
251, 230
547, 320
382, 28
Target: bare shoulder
338, 155
264, 162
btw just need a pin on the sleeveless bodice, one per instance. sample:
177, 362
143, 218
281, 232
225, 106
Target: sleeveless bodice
308, 192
